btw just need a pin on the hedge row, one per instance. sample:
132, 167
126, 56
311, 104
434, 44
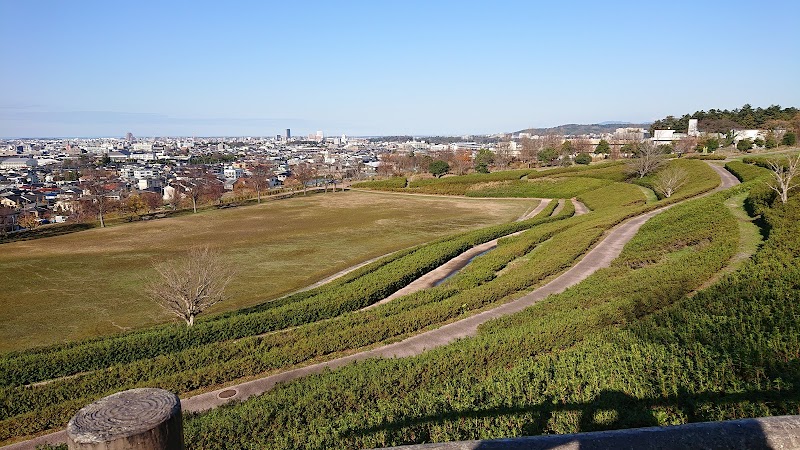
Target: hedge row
392, 184
539, 187
745, 172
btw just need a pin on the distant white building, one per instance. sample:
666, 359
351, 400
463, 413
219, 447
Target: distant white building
232, 173
148, 184
144, 156
739, 135
666, 137
141, 147
18, 163
631, 134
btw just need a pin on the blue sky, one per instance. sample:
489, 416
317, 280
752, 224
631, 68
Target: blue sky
159, 68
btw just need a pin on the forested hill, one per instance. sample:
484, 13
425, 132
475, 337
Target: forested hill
723, 120
578, 129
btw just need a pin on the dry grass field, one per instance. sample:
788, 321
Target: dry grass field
89, 283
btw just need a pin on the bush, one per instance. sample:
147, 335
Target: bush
439, 168
789, 138
745, 172
583, 158
744, 145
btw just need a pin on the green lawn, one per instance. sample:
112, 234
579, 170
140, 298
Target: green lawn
89, 283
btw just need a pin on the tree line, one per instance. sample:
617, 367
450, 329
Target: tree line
723, 120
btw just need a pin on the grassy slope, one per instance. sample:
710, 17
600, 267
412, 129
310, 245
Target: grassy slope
89, 283
611, 204
506, 381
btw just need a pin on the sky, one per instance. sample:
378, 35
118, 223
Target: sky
383, 67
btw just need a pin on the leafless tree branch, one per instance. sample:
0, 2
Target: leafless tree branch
670, 180
783, 175
192, 284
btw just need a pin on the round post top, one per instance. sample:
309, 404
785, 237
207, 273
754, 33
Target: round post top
123, 414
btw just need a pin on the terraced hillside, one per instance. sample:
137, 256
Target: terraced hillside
322, 323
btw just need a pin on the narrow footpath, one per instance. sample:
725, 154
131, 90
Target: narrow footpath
599, 257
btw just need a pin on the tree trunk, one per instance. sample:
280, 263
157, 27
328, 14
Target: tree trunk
103, 224
190, 322
258, 195
194, 205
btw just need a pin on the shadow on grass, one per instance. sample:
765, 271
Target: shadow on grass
610, 410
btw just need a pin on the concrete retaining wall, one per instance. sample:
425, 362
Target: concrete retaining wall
782, 432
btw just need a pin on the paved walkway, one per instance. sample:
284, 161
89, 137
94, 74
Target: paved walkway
580, 208
599, 257
558, 207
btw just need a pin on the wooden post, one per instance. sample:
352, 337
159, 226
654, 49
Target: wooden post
141, 419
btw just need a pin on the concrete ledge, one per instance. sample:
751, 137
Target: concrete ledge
781, 432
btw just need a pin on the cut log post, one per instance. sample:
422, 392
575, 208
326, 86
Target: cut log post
141, 419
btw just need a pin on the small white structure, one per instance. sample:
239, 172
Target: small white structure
739, 135
145, 184
232, 173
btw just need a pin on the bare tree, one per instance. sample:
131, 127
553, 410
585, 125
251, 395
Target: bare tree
462, 161
669, 180
685, 145
582, 145
8, 219
152, 200
200, 186
259, 178
97, 183
782, 176
192, 284
502, 155
648, 159
304, 173
529, 152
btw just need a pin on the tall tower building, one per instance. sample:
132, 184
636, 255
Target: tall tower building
288, 133
693, 128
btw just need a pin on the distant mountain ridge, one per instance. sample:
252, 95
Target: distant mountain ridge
574, 128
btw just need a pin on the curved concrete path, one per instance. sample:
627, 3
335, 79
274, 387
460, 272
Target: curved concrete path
728, 180
543, 202
580, 208
599, 257
558, 208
